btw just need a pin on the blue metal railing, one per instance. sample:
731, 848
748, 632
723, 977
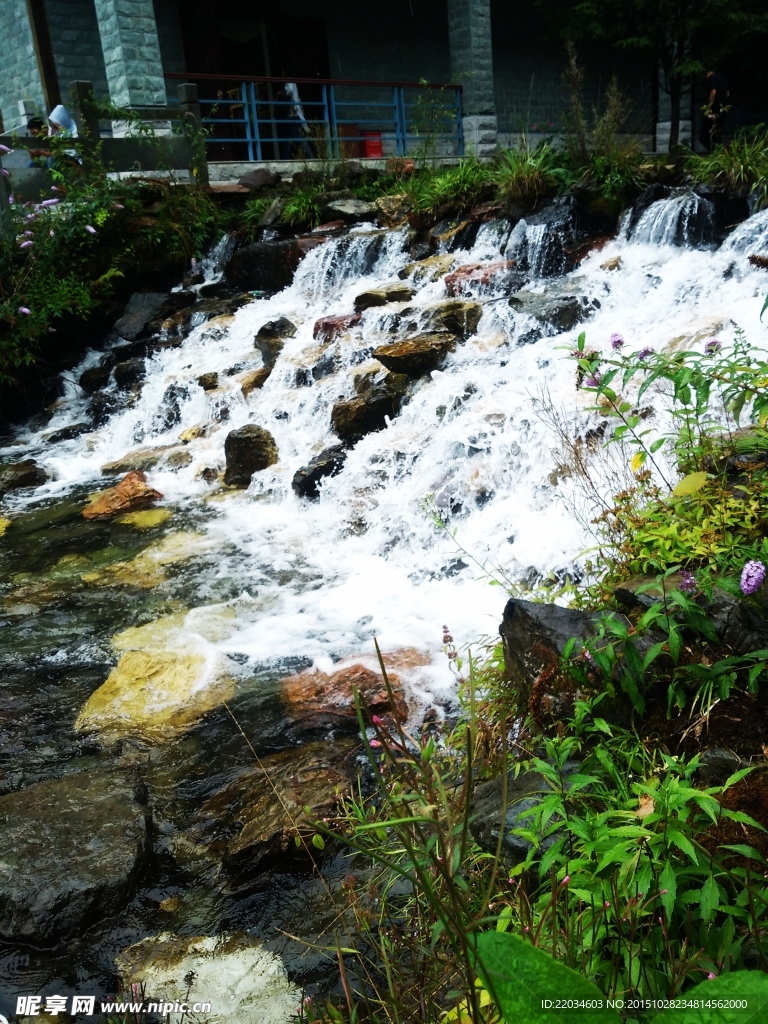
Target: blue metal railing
251, 118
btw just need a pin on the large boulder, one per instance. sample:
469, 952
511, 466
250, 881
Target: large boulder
556, 313
328, 328
259, 178
254, 380
328, 701
255, 818
351, 211
94, 379
270, 339
418, 355
16, 475
458, 316
265, 266
430, 269
397, 291
353, 418
534, 636
328, 463
393, 210
248, 450
142, 308
141, 459
130, 495
71, 852
129, 372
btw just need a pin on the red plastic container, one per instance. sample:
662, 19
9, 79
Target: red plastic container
372, 144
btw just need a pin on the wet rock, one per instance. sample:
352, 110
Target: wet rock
94, 379
213, 312
393, 210
132, 371
418, 355
103, 404
147, 569
324, 701
130, 495
351, 211
353, 418
394, 292
273, 213
260, 177
256, 817
534, 636
474, 276
453, 235
270, 338
485, 212
265, 266
142, 307
96, 825
244, 982
208, 381
458, 316
67, 433
557, 312
141, 459
328, 363
155, 695
430, 269
16, 475
328, 463
328, 328
332, 227
248, 450
253, 380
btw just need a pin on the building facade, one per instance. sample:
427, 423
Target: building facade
497, 50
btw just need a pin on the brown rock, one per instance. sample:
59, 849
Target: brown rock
257, 816
130, 495
418, 355
254, 380
208, 381
140, 460
457, 316
248, 450
460, 281
325, 699
430, 269
353, 418
21, 474
400, 165
394, 292
393, 210
328, 328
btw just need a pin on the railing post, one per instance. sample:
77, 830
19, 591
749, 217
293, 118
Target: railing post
459, 125
254, 116
86, 118
398, 125
246, 118
332, 122
189, 101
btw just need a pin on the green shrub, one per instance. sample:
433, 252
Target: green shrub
741, 166
525, 176
302, 207
457, 187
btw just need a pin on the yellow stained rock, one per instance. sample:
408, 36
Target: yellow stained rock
147, 569
146, 518
212, 622
4, 524
156, 695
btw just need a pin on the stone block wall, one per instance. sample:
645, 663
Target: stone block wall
19, 76
76, 45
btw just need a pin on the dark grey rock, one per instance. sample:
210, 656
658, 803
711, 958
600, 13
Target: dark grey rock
248, 450
94, 379
259, 178
353, 418
142, 307
71, 852
535, 635
103, 404
264, 266
21, 474
351, 211
327, 463
556, 312
208, 381
130, 372
416, 356
67, 433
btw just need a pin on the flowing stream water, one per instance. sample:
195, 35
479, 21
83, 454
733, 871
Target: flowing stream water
271, 582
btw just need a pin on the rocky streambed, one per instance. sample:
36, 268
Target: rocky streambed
205, 532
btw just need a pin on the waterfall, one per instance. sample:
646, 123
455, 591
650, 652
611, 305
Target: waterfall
685, 219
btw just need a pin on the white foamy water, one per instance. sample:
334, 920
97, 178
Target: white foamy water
365, 559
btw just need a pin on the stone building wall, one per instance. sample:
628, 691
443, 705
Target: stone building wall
19, 77
76, 45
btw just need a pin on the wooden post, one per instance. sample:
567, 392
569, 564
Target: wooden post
189, 101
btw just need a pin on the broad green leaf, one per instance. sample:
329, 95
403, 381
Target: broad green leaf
737, 986
668, 881
520, 977
690, 484
710, 899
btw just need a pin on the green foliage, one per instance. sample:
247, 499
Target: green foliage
432, 113
455, 187
525, 176
301, 208
254, 210
741, 166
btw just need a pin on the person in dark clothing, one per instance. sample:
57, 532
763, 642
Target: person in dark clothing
718, 99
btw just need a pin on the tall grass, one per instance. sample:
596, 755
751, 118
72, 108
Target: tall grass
741, 166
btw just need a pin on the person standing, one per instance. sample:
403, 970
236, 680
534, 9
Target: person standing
296, 128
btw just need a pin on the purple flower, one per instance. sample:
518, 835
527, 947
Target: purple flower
644, 353
687, 581
752, 576
50, 202
593, 381
54, 188
28, 234
712, 347
588, 656
11, 198
4, 149
90, 230
617, 341
5, 174
710, 976
24, 311
30, 217
51, 232
118, 206
51, 330
27, 245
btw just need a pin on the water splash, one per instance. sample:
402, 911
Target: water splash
686, 220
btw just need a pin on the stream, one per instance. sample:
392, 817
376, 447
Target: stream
257, 584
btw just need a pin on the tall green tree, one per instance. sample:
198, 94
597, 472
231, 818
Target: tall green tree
684, 37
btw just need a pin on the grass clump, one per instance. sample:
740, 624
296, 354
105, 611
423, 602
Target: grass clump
741, 166
302, 208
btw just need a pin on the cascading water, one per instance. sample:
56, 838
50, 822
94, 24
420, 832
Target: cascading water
686, 219
298, 582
